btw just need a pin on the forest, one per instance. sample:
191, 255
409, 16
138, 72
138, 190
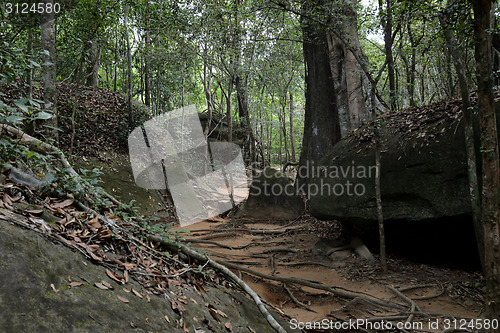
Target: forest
361, 182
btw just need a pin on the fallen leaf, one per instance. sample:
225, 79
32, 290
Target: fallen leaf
54, 288
62, 204
7, 199
113, 276
166, 318
126, 290
104, 283
229, 326
123, 299
177, 306
101, 286
148, 298
193, 300
222, 313
125, 275
213, 312
75, 284
200, 287
136, 293
34, 211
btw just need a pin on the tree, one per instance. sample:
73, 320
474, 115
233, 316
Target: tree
457, 56
346, 71
490, 196
129, 69
321, 123
49, 68
386, 20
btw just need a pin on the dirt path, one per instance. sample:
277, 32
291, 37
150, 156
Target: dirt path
294, 249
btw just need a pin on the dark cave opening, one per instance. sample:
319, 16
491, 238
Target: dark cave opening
447, 242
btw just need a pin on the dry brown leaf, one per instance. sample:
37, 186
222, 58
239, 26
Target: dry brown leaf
148, 298
113, 276
229, 326
54, 288
166, 318
75, 284
89, 251
136, 293
182, 300
193, 300
200, 287
36, 212
177, 307
222, 313
7, 199
62, 204
213, 312
126, 290
106, 284
123, 299
125, 275
101, 286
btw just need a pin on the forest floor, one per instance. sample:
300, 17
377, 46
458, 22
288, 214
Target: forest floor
265, 251
295, 249
275, 258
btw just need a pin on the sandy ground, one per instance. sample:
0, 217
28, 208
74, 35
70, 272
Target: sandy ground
291, 249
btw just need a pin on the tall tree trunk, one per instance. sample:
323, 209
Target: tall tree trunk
147, 80
387, 26
129, 70
93, 55
321, 120
229, 109
285, 139
413, 61
207, 80
49, 70
346, 72
457, 56
292, 139
490, 203
241, 92
115, 65
29, 126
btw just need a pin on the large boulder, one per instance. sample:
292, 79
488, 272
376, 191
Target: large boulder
36, 294
423, 172
272, 196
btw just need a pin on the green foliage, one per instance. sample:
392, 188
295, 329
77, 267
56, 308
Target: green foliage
161, 229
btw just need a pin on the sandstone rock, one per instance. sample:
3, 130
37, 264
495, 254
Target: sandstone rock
423, 176
272, 196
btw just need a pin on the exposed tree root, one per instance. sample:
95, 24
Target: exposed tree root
312, 263
249, 230
315, 285
202, 258
278, 250
201, 241
226, 234
296, 300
